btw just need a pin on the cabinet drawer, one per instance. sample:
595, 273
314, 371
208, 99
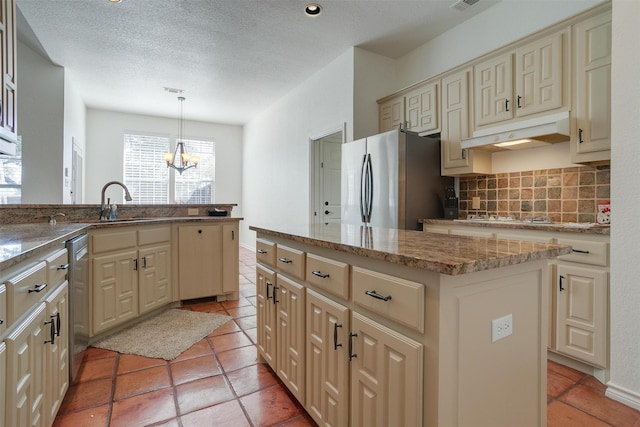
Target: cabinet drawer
404, 299
327, 274
586, 252
57, 267
113, 241
25, 289
150, 235
290, 261
266, 252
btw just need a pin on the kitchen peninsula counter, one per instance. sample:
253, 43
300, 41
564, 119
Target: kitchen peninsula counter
20, 241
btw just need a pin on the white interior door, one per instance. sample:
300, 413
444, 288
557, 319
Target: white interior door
325, 176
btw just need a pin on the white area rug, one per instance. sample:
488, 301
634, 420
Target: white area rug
164, 336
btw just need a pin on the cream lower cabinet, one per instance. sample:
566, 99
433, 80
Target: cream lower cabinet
57, 359
281, 327
154, 279
208, 260
130, 274
26, 364
386, 376
327, 360
3, 374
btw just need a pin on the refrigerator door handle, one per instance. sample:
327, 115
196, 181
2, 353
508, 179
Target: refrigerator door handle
369, 188
363, 173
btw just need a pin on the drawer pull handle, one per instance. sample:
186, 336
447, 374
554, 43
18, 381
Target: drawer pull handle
285, 260
376, 295
351, 337
319, 274
135, 264
261, 251
52, 336
57, 316
38, 288
560, 283
144, 262
275, 294
1, 321
335, 336
268, 284
63, 267
579, 251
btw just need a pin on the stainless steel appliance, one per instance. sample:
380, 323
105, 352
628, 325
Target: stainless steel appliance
78, 277
392, 180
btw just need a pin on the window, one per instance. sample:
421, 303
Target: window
11, 176
151, 182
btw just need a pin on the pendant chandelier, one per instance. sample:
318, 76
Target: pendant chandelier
180, 160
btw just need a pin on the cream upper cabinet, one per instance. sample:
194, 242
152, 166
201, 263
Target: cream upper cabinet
391, 114
8, 64
521, 83
416, 110
327, 361
421, 108
591, 140
455, 126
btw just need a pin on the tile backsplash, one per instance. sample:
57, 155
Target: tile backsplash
565, 195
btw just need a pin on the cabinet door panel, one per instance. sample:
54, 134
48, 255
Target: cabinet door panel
582, 298
327, 361
266, 314
230, 258
494, 90
25, 371
422, 108
386, 376
57, 352
290, 331
115, 289
391, 114
155, 277
200, 260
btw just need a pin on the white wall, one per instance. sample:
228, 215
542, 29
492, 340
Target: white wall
625, 177
276, 146
105, 142
75, 115
41, 123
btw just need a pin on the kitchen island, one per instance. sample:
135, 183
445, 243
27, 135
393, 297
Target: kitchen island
370, 326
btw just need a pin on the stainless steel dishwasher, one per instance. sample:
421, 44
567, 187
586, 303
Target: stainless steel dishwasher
78, 277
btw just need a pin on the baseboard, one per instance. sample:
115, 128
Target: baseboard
251, 248
623, 395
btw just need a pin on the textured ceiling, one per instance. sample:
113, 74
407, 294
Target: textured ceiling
233, 58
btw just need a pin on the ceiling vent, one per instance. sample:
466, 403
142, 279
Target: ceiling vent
463, 4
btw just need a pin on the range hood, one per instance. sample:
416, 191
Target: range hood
529, 133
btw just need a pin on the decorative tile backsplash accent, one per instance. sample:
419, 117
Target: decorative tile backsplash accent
565, 195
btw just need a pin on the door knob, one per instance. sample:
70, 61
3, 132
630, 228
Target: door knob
327, 212
326, 203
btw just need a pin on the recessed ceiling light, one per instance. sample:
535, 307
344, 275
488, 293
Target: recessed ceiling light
313, 9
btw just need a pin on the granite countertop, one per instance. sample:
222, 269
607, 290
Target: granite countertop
570, 227
19, 241
440, 253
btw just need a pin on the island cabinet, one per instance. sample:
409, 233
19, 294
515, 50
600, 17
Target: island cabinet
591, 140
35, 347
410, 341
529, 80
130, 273
3, 374
208, 260
328, 354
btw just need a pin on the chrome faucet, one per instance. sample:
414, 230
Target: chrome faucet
105, 211
52, 218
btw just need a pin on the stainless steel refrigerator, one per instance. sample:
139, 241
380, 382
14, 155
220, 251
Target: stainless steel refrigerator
392, 180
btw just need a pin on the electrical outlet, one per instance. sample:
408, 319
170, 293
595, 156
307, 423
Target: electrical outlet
192, 211
501, 328
475, 203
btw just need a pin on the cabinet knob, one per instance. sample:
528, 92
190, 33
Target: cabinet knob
199, 231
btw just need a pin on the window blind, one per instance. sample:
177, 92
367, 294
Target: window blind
145, 171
